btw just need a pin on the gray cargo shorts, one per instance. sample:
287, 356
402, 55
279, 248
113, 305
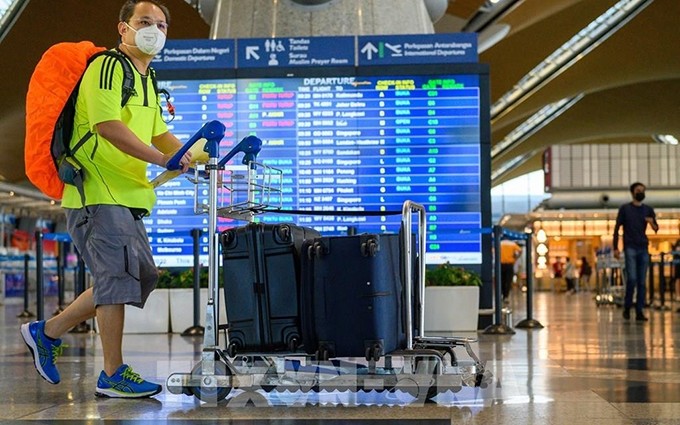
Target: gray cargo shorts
115, 248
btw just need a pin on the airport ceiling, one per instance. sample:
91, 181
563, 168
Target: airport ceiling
624, 88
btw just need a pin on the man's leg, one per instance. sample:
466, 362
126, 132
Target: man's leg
78, 311
642, 261
631, 280
118, 379
110, 319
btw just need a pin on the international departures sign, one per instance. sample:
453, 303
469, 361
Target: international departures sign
340, 51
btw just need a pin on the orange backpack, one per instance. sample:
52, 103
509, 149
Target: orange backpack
50, 110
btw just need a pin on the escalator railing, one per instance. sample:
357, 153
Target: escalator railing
9, 12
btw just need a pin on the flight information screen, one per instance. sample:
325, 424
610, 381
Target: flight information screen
344, 144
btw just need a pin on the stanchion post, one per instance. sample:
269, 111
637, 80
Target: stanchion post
673, 278
61, 281
26, 313
662, 282
79, 288
196, 329
80, 284
650, 290
39, 275
529, 322
498, 328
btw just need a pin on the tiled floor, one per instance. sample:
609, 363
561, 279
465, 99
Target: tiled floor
587, 366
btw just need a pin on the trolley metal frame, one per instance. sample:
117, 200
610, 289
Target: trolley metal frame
426, 367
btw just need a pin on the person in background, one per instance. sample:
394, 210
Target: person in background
570, 276
634, 217
558, 272
510, 252
585, 273
106, 224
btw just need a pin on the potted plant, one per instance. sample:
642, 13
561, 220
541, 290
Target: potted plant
451, 299
182, 300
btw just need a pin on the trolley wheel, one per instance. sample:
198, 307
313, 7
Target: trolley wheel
483, 379
211, 394
411, 387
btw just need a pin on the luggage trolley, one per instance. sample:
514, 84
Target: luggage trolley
424, 368
608, 271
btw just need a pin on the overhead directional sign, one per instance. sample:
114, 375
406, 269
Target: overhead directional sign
295, 52
410, 49
318, 51
199, 54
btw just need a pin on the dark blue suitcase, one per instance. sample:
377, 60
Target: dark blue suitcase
261, 284
352, 296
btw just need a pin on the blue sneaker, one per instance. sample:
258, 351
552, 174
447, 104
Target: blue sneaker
45, 350
125, 383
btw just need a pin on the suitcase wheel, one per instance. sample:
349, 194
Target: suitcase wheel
228, 238
293, 344
284, 233
315, 250
321, 354
369, 248
231, 350
373, 352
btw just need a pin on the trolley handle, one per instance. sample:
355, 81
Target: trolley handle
212, 131
408, 208
250, 146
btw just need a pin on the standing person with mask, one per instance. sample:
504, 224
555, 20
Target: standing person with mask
105, 224
634, 218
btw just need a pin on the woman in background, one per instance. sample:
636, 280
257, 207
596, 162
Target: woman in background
584, 273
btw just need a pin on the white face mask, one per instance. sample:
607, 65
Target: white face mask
150, 40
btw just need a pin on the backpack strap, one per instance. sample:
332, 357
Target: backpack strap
72, 167
128, 87
164, 92
128, 75
154, 81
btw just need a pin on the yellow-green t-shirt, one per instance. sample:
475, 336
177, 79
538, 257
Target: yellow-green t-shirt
112, 176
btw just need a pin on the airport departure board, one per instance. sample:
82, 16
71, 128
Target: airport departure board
346, 143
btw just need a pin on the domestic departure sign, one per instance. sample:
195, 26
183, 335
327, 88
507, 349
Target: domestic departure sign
295, 52
198, 54
409, 49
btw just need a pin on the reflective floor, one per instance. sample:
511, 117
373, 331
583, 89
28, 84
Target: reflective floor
587, 366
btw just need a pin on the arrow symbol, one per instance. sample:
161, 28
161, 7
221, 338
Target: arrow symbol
369, 49
396, 49
251, 52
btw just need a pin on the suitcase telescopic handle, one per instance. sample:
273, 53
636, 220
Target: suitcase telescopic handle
408, 208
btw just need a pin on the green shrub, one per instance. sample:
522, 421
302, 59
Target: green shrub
181, 279
448, 275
